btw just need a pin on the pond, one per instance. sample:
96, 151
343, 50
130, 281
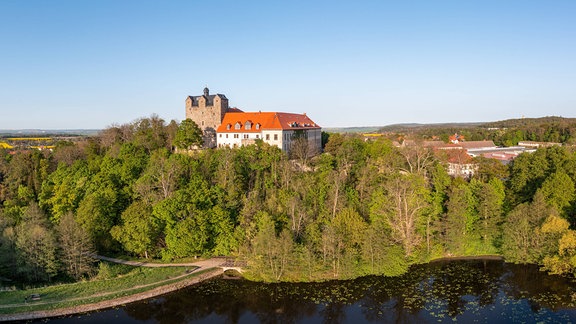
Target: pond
484, 291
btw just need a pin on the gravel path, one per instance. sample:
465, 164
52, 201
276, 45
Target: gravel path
208, 263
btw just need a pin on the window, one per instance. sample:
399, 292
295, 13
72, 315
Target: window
275, 137
228, 126
257, 126
267, 137
248, 125
220, 135
245, 136
257, 136
236, 136
238, 125
226, 135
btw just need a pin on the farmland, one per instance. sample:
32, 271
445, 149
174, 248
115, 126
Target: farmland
34, 142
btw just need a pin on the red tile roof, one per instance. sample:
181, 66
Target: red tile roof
458, 156
266, 120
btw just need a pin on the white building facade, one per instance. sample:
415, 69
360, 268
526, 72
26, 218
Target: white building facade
279, 129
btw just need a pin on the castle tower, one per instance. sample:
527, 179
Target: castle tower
207, 111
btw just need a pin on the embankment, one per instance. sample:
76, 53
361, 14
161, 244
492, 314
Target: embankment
113, 302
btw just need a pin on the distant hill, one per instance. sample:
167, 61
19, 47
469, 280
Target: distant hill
48, 132
410, 127
504, 133
531, 122
508, 123
351, 129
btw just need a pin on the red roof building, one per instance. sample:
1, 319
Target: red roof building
275, 128
223, 126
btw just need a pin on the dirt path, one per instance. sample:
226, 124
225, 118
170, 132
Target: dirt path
213, 263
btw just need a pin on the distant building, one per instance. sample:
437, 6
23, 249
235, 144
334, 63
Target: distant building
460, 164
231, 127
469, 145
532, 144
456, 138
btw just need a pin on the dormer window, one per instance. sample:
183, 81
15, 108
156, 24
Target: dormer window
248, 125
237, 125
257, 126
228, 127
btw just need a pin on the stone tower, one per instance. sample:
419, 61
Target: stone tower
207, 111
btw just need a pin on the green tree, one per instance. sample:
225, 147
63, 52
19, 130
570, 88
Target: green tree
490, 169
75, 247
97, 213
185, 218
64, 189
188, 135
341, 242
7, 247
162, 176
271, 253
138, 231
527, 173
404, 204
133, 161
188, 237
150, 133
440, 180
36, 246
489, 207
558, 191
523, 240
222, 225
380, 255
460, 217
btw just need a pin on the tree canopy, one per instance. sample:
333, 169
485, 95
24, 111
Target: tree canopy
359, 208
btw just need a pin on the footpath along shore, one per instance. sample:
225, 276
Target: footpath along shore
211, 265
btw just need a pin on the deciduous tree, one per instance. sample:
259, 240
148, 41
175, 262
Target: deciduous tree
75, 247
138, 231
188, 136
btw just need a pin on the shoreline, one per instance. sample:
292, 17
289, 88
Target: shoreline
211, 273
494, 257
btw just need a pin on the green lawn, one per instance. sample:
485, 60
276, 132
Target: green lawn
128, 281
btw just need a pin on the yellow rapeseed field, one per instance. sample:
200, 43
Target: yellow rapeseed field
29, 138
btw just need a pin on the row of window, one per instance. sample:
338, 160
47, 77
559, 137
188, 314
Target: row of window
247, 126
246, 136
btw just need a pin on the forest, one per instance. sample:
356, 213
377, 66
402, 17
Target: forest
502, 133
359, 208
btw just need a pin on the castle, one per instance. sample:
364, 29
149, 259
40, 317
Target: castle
223, 126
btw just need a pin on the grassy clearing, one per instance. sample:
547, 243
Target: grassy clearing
128, 281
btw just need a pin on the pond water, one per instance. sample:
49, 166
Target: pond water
483, 291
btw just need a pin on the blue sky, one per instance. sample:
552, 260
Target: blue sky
90, 64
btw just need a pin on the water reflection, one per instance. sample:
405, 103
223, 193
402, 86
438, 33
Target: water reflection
466, 290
